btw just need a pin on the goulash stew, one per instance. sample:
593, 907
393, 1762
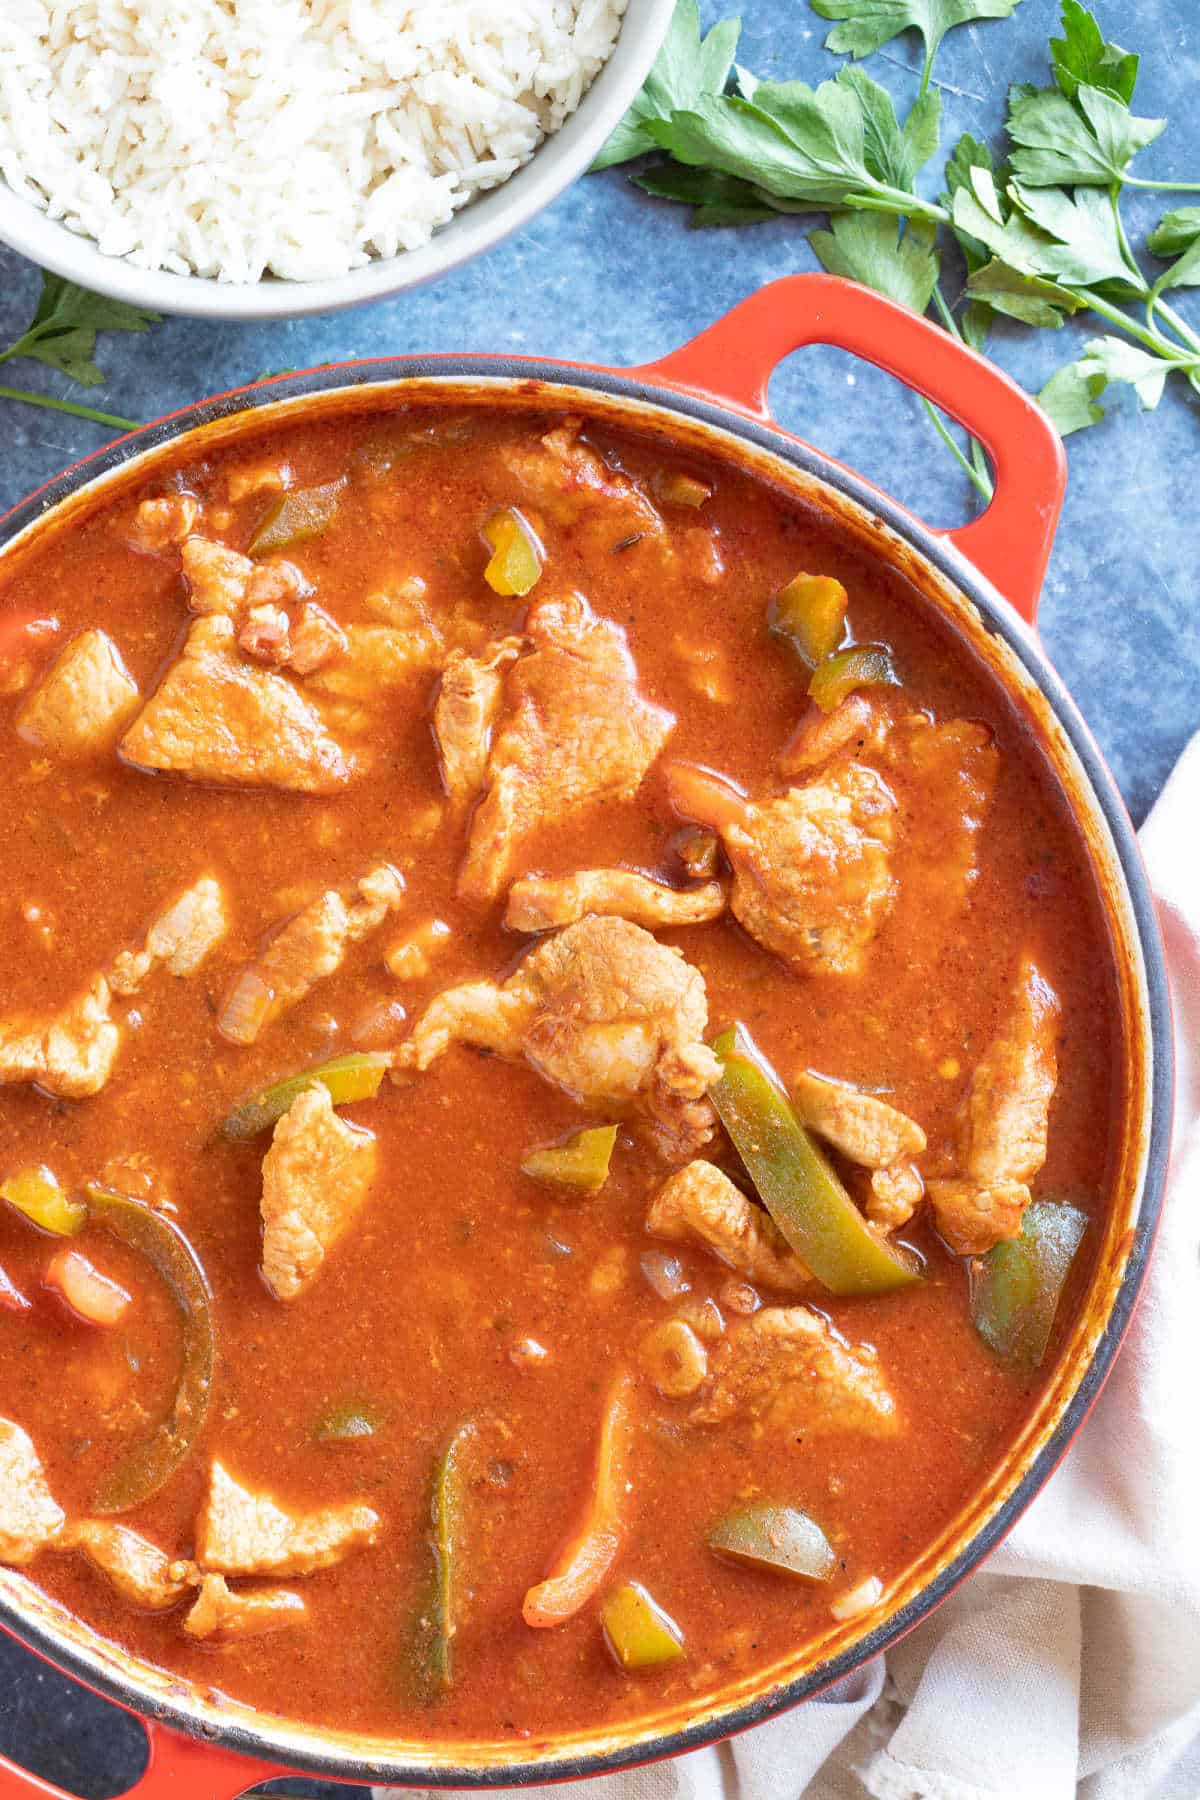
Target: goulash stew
555, 1060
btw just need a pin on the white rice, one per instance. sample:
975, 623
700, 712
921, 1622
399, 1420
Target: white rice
300, 138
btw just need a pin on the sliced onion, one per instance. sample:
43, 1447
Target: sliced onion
664, 1274
245, 1007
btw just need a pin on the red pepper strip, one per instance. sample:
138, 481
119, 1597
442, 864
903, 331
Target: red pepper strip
580, 1571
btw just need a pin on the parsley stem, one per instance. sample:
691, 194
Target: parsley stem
980, 483
1179, 326
1153, 340
899, 203
982, 477
69, 406
927, 70
944, 313
1163, 187
1127, 256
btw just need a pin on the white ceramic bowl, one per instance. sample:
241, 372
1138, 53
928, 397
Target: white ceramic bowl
481, 224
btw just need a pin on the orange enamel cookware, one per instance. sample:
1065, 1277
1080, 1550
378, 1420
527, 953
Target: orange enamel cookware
984, 579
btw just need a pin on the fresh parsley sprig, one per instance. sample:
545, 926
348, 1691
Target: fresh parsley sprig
1041, 235
867, 25
62, 335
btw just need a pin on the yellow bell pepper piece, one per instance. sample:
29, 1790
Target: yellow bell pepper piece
516, 562
582, 1162
36, 1193
637, 1630
810, 615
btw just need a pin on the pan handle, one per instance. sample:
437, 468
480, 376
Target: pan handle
177, 1768
732, 363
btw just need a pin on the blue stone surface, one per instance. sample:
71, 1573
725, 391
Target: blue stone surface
608, 276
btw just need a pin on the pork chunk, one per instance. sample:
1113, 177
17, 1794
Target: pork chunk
1005, 1122
316, 1177
30, 1517
699, 1203
316, 640
376, 662
310, 947
265, 634
160, 525
577, 734
894, 1195
71, 1053
465, 713
973, 1216
222, 1613
942, 774
218, 718
945, 775
862, 1126
542, 902
790, 1371
85, 702
180, 938
216, 577
141, 1573
600, 1009
570, 484
240, 1532
812, 868
1007, 1115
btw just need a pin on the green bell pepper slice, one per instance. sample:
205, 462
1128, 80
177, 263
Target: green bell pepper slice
1017, 1286
780, 1539
434, 1624
297, 516
860, 665
355, 1076
795, 1180
150, 1464
346, 1422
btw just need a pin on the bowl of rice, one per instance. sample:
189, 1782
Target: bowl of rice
259, 159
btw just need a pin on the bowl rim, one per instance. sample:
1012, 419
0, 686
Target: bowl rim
520, 374
494, 214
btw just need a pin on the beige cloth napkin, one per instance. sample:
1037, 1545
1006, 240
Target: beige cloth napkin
1069, 1669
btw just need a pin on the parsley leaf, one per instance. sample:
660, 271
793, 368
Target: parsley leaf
1081, 56
687, 68
1084, 248
1070, 395
1088, 141
1013, 279
718, 199
806, 149
893, 154
896, 257
1040, 239
1069, 398
793, 141
63, 330
1178, 235
866, 25
62, 335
